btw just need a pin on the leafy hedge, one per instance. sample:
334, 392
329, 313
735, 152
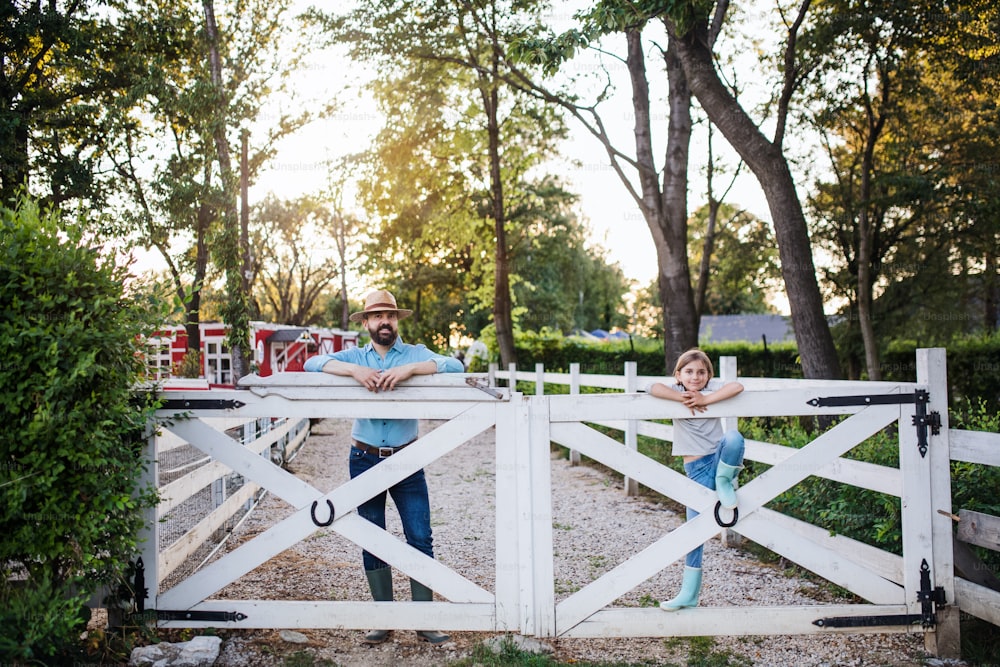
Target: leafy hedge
869, 516
70, 355
557, 352
973, 362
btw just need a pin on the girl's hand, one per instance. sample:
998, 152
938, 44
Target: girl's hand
695, 401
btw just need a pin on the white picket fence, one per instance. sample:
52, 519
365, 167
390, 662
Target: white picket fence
915, 592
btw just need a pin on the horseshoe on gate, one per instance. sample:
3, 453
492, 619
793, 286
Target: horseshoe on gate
718, 519
329, 504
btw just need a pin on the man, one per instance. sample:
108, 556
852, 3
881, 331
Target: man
380, 366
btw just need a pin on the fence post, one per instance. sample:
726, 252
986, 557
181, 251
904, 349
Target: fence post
149, 534
491, 375
512, 377
728, 373
932, 371
574, 388
631, 426
539, 379
512, 483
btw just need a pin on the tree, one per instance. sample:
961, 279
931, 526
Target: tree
561, 283
663, 205
295, 265
466, 37
743, 262
691, 24
896, 126
180, 200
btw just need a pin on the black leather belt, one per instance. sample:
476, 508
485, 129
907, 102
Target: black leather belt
381, 452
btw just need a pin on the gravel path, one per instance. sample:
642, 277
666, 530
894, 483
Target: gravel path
590, 509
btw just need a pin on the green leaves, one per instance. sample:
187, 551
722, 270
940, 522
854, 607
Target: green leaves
70, 353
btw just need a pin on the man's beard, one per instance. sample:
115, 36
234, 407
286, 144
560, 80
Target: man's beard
383, 336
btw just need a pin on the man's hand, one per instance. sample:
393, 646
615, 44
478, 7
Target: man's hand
369, 378
393, 376
375, 380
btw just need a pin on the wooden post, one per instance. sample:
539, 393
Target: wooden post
512, 375
539, 379
631, 426
932, 371
540, 471
574, 388
510, 524
149, 535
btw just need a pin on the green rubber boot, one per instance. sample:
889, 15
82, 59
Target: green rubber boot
421, 593
380, 583
690, 591
725, 477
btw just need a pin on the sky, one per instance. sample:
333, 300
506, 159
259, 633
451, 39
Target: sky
615, 220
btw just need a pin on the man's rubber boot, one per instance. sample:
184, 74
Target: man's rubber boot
690, 591
421, 593
725, 477
380, 583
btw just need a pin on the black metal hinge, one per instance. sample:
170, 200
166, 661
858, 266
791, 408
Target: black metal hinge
927, 596
209, 616
201, 404
920, 398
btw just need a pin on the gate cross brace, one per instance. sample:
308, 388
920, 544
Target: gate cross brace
920, 397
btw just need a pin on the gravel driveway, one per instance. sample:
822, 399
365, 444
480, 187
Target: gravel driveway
595, 527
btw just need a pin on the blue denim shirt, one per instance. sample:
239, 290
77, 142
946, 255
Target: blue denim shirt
386, 432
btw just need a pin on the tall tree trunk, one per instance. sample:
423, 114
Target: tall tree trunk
192, 323
665, 211
867, 227
708, 243
502, 305
865, 278
238, 320
766, 160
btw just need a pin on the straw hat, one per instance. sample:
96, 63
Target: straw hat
378, 301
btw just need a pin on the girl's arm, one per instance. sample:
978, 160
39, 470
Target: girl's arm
696, 400
660, 390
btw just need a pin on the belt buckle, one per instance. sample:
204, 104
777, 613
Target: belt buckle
385, 452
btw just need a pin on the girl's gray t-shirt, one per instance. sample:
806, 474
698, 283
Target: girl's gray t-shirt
697, 436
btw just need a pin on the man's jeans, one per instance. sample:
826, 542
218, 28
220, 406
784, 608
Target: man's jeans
410, 497
702, 470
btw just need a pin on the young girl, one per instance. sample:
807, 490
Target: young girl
711, 458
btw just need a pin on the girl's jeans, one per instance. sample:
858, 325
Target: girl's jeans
410, 497
702, 470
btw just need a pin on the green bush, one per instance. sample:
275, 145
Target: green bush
973, 362
70, 453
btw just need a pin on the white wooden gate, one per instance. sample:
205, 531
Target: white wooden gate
904, 594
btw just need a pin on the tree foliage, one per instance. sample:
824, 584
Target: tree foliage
907, 202
70, 457
297, 263
744, 263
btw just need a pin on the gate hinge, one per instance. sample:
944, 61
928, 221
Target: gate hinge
922, 420
927, 597
920, 398
201, 404
209, 616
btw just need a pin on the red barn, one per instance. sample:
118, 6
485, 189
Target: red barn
276, 348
